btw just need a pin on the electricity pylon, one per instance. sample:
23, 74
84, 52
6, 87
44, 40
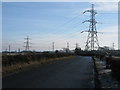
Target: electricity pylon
92, 39
27, 46
9, 49
53, 46
68, 45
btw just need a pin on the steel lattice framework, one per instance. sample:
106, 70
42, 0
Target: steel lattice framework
27, 46
92, 39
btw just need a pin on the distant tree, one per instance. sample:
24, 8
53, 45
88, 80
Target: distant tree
77, 50
56, 51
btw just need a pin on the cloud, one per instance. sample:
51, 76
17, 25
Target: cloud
41, 42
60, 41
44, 41
111, 29
110, 35
105, 6
111, 6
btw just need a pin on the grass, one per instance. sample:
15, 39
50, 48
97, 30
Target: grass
115, 67
15, 68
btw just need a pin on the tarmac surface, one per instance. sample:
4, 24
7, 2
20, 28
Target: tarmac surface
76, 72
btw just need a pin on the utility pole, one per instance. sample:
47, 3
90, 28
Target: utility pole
53, 46
113, 45
49, 48
92, 39
18, 50
76, 45
6, 49
68, 45
9, 49
27, 43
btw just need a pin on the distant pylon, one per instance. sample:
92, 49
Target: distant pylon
6, 50
92, 40
68, 45
27, 43
76, 45
9, 49
18, 50
53, 46
48, 48
113, 45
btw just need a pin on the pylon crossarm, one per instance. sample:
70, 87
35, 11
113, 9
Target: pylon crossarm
86, 11
90, 31
91, 11
86, 21
85, 31
94, 21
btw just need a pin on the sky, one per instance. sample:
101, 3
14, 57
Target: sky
58, 22
118, 25
0, 26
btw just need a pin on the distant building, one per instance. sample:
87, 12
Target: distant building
104, 48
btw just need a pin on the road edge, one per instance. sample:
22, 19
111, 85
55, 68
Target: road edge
96, 78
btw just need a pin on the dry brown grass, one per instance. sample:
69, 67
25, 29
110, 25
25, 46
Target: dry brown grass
8, 70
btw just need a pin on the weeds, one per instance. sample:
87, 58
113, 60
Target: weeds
22, 62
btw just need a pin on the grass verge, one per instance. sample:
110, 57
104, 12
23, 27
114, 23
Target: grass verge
19, 67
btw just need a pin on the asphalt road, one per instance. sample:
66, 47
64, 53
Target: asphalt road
76, 72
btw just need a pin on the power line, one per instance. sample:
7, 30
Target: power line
66, 23
71, 20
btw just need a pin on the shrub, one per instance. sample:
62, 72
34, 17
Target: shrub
13, 59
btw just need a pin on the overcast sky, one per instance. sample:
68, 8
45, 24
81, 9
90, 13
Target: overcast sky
59, 22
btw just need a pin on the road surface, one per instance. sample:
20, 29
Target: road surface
76, 72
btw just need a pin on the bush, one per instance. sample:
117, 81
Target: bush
13, 59
115, 67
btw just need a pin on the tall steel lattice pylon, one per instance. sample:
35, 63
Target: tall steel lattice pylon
27, 46
92, 40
